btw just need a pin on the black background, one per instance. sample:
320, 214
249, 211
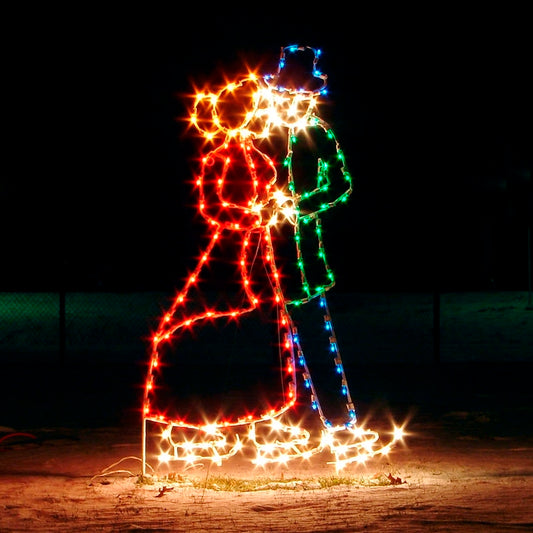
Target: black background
432, 110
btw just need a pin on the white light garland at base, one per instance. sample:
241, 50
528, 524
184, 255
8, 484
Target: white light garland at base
268, 442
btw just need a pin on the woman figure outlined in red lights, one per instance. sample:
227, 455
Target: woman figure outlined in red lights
234, 186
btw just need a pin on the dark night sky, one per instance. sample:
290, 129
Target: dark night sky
433, 112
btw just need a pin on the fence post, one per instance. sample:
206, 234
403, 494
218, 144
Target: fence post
436, 326
529, 301
62, 326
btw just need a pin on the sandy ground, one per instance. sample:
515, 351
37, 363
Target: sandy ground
458, 471
70, 439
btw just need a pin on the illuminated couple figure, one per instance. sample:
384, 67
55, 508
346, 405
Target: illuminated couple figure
275, 165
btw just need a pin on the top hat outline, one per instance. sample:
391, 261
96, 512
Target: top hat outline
294, 76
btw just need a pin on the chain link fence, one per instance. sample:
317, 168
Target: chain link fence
72, 325
371, 327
